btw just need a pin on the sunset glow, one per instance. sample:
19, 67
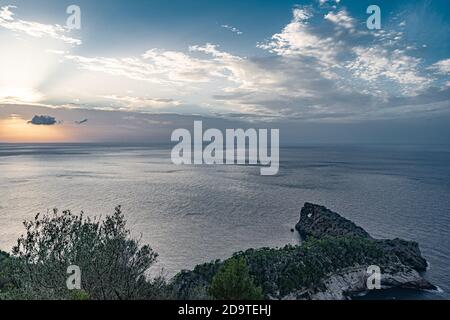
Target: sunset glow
16, 129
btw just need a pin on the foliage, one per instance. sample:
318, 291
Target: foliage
298, 267
79, 295
193, 285
282, 271
113, 265
233, 282
7, 283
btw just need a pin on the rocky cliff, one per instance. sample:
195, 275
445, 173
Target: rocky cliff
319, 222
402, 270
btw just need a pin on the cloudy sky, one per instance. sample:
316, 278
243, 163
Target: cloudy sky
138, 70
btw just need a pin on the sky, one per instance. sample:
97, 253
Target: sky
134, 71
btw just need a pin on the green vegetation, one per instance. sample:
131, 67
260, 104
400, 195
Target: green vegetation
114, 266
233, 282
79, 295
282, 271
7, 285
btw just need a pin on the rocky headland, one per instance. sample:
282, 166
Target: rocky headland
330, 264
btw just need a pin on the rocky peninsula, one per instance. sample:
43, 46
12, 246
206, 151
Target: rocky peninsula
330, 264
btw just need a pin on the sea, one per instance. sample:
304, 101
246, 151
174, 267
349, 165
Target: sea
193, 214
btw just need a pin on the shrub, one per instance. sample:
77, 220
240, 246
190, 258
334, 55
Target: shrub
113, 265
233, 282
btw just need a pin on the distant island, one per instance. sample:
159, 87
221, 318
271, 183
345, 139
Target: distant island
330, 264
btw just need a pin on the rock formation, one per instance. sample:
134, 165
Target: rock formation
331, 263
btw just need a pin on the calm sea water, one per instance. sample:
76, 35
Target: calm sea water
190, 215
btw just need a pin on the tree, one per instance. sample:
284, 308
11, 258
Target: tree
234, 282
113, 265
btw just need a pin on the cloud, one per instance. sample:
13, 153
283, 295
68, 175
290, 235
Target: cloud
321, 74
369, 57
232, 29
297, 39
307, 72
142, 103
158, 66
326, 2
341, 19
132, 68
17, 95
43, 120
441, 67
181, 67
377, 63
34, 29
